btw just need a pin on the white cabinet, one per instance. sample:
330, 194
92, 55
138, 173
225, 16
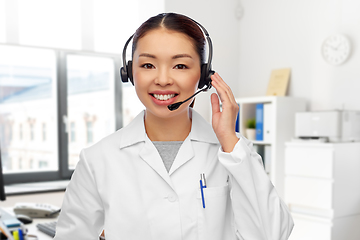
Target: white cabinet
279, 124
322, 190
308, 227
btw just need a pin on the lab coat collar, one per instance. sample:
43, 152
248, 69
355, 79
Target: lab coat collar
201, 130
135, 132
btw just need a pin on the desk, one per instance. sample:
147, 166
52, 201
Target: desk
32, 229
54, 198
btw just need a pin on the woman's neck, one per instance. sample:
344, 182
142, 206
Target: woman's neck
176, 128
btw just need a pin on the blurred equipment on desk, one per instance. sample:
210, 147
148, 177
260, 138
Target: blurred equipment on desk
10, 226
48, 228
24, 219
328, 126
37, 210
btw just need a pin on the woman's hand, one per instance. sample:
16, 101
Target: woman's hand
223, 122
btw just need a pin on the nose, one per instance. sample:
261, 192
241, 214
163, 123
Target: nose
164, 78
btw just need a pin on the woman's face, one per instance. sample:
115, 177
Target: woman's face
166, 69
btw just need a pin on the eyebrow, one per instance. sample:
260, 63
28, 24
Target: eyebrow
184, 55
147, 55
181, 56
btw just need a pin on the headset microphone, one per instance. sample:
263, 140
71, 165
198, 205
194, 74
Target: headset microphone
175, 106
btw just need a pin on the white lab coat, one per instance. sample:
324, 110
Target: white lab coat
121, 185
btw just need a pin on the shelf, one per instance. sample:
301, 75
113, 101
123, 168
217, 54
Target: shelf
279, 128
254, 100
261, 142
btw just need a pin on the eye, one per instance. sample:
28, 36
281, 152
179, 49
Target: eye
181, 66
148, 66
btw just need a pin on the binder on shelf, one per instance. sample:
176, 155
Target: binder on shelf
267, 122
260, 122
237, 127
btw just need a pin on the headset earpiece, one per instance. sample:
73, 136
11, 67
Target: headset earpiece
126, 73
129, 72
205, 78
123, 75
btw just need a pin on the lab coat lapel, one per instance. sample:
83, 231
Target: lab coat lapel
135, 133
184, 155
201, 131
152, 157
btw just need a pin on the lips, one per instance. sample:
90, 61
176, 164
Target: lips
163, 98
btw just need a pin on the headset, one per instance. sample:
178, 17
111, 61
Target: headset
206, 71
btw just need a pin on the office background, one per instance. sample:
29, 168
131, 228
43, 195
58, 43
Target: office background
250, 39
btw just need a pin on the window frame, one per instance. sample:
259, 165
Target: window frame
63, 172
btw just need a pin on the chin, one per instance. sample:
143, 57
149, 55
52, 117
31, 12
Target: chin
164, 112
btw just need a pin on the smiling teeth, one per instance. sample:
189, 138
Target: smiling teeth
164, 97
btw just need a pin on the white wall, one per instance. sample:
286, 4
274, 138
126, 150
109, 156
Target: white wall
272, 34
219, 19
277, 33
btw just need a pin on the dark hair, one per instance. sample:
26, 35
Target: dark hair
175, 22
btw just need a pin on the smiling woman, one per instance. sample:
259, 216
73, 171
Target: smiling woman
146, 175
172, 71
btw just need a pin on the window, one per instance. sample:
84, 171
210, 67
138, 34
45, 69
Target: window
43, 132
20, 164
55, 87
90, 100
72, 132
20, 132
43, 164
10, 132
27, 96
32, 137
132, 106
47, 26
89, 132
40, 91
108, 14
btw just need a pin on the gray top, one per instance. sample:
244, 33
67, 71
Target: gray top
168, 151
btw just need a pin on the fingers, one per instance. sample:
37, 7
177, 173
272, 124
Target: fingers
215, 104
223, 89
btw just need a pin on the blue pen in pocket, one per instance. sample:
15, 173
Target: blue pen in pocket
202, 186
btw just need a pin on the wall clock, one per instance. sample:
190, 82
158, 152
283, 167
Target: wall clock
336, 49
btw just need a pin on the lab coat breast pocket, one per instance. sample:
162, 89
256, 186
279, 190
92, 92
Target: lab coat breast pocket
213, 218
